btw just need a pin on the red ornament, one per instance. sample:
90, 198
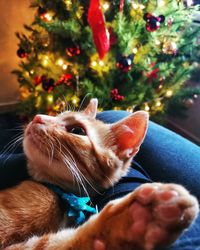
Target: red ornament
115, 95
97, 23
153, 22
73, 51
22, 53
65, 79
154, 73
47, 83
121, 5
124, 63
37, 80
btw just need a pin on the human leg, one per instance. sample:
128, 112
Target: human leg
167, 157
12, 169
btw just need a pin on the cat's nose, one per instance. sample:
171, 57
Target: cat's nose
38, 119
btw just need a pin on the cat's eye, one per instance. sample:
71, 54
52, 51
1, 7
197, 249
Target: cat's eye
77, 130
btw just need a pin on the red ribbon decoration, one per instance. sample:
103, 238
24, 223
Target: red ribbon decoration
100, 33
121, 5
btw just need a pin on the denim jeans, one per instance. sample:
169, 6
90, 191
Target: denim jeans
164, 157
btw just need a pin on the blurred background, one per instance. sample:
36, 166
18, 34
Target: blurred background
17, 13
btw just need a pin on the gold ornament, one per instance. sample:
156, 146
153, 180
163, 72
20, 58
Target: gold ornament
170, 48
60, 105
68, 4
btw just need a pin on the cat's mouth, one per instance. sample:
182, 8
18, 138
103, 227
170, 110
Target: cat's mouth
33, 134
37, 140
35, 137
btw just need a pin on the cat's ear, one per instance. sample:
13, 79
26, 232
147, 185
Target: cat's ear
91, 109
130, 133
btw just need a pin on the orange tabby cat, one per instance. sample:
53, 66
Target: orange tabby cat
82, 155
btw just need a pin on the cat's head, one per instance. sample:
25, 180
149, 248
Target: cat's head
74, 149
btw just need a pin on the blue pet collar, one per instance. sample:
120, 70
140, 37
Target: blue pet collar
76, 206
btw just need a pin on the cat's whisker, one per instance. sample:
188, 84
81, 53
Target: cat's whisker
11, 147
75, 175
51, 145
110, 181
82, 175
59, 143
49, 149
69, 107
14, 139
66, 104
73, 107
15, 129
78, 170
68, 164
78, 178
8, 147
62, 98
89, 183
83, 101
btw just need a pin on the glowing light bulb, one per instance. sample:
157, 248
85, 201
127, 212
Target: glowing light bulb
158, 103
94, 63
161, 3
146, 107
169, 93
189, 3
68, 4
134, 5
48, 17
50, 98
106, 6
32, 72
64, 66
60, 62
75, 100
101, 63
135, 50
157, 42
141, 6
45, 62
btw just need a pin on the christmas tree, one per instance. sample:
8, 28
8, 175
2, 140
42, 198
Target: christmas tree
129, 54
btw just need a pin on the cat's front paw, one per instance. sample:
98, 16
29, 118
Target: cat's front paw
153, 215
